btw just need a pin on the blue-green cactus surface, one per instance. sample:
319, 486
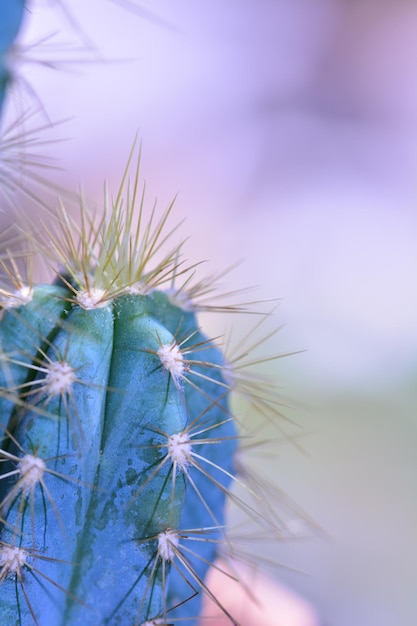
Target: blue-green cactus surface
117, 441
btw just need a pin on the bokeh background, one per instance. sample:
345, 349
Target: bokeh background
288, 129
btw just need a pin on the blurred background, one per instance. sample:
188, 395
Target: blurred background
288, 130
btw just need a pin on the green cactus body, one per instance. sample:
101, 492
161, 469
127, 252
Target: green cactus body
118, 442
11, 14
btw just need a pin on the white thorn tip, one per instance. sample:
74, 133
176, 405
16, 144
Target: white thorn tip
92, 299
179, 449
20, 297
172, 360
168, 541
12, 559
59, 378
31, 469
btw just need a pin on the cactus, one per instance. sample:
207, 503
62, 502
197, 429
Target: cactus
119, 449
118, 441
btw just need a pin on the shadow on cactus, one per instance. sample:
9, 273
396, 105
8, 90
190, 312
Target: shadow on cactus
118, 444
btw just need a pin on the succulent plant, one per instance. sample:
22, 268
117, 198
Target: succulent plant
118, 442
119, 448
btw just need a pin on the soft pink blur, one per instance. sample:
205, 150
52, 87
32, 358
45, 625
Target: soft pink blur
255, 601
